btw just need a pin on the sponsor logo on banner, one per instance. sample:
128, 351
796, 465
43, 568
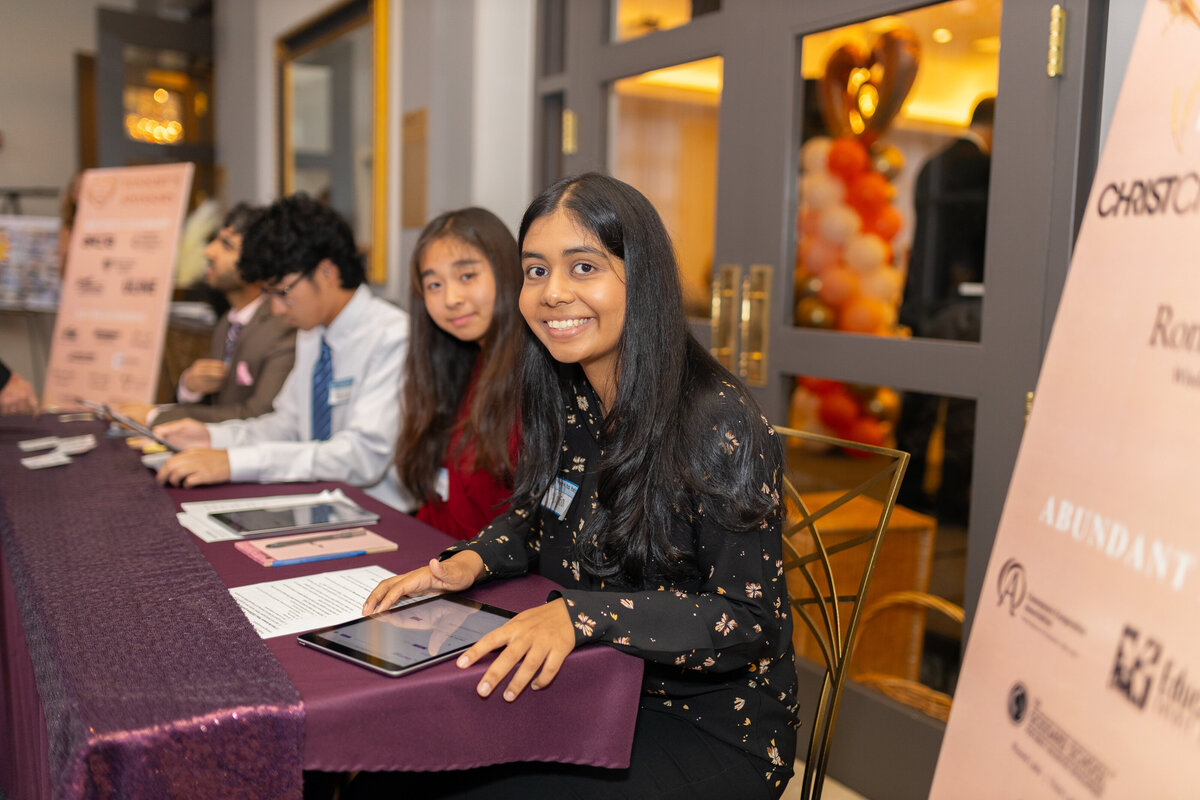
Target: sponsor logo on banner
139, 286
70, 334
1133, 666
1011, 585
81, 356
1018, 703
1013, 594
98, 241
1149, 678
119, 264
146, 240
106, 334
89, 285
100, 189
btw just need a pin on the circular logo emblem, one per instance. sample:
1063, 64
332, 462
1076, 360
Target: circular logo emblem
1018, 703
1010, 585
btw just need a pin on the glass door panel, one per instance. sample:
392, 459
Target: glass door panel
632, 19
895, 164
925, 547
663, 141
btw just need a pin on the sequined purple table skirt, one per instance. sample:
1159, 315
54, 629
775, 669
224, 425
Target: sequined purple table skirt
430, 720
151, 681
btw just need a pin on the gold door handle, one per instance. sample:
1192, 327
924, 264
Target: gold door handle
756, 324
725, 314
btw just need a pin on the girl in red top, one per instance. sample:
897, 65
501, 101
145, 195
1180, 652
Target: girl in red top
457, 447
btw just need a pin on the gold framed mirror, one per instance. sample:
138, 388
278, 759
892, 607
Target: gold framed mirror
332, 76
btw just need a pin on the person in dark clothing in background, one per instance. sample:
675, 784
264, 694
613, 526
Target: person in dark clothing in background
942, 300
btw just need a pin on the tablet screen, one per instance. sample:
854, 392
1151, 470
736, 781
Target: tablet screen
256, 521
408, 638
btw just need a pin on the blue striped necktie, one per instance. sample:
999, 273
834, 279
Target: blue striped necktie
322, 415
231, 337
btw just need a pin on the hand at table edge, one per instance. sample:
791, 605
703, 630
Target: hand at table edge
539, 639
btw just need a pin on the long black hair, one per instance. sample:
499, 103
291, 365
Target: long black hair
437, 370
683, 436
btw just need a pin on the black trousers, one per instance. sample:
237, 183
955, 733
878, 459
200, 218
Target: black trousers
671, 760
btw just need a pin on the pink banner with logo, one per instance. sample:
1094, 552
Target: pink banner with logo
116, 291
1082, 674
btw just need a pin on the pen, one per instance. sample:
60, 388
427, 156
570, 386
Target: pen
342, 535
305, 559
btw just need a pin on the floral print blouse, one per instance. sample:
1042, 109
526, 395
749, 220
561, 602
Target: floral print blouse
717, 643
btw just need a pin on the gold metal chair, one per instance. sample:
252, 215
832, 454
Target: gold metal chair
833, 627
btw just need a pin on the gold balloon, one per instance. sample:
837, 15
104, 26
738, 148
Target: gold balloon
861, 92
887, 160
812, 313
885, 405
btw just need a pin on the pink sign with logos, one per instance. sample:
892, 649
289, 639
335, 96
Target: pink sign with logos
116, 291
1082, 675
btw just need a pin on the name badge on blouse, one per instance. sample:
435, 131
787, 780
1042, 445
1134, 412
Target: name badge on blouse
441, 484
559, 496
339, 391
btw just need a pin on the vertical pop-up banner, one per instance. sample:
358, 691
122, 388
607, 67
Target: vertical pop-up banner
116, 291
1082, 675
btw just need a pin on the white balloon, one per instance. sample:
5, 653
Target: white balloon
865, 252
883, 284
821, 190
814, 155
838, 223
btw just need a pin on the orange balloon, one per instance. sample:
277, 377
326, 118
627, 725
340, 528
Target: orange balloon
864, 314
884, 223
847, 158
870, 191
838, 285
807, 223
838, 411
819, 386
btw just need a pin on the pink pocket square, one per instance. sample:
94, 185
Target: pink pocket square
243, 374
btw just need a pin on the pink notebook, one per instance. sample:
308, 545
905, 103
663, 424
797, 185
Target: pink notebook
279, 551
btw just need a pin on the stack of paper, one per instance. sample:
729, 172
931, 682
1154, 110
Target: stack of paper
195, 515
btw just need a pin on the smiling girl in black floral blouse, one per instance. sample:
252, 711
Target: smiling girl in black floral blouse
648, 487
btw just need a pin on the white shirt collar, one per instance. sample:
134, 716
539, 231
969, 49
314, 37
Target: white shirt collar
246, 313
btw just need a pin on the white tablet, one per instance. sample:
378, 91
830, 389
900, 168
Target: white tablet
405, 639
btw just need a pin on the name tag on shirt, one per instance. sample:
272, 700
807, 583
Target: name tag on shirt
441, 484
339, 391
559, 496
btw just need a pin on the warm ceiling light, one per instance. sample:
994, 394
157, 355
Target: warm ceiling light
942, 35
161, 95
988, 45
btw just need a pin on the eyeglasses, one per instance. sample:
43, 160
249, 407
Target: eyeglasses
282, 294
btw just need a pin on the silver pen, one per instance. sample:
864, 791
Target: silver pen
342, 535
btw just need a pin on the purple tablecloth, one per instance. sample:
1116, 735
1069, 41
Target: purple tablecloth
432, 719
152, 682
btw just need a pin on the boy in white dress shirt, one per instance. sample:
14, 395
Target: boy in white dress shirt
338, 414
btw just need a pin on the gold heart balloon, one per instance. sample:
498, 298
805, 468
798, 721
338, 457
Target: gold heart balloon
863, 91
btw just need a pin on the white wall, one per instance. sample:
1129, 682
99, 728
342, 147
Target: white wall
38, 42
468, 62
1123, 19
502, 153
